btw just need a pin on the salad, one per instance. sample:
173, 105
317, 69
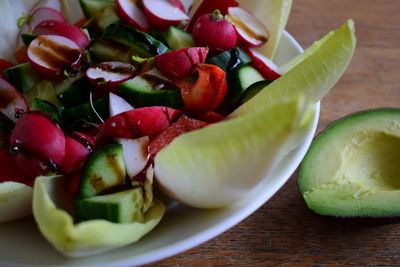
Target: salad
97, 110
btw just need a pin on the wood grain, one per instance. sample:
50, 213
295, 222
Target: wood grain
283, 232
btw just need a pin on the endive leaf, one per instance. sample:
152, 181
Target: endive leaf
312, 73
217, 165
88, 237
15, 201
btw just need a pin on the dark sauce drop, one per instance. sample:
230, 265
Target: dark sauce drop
234, 60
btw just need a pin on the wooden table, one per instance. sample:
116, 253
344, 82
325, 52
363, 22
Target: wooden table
283, 232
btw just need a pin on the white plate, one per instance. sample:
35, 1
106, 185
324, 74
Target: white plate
182, 228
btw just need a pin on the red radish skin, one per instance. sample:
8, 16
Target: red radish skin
210, 117
265, 66
130, 13
183, 125
251, 31
9, 169
214, 31
87, 138
12, 103
178, 64
51, 55
140, 122
44, 14
54, 27
73, 183
5, 64
107, 76
207, 7
163, 13
31, 167
76, 153
21, 55
36, 135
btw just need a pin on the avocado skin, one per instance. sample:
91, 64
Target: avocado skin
322, 181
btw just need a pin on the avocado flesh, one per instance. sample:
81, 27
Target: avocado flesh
352, 168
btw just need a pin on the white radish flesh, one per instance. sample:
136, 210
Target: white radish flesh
112, 71
118, 105
251, 31
164, 10
135, 153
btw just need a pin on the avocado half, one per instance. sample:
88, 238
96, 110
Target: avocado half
353, 167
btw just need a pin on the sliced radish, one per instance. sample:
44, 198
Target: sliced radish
264, 65
178, 64
178, 4
51, 55
164, 13
131, 14
118, 105
43, 14
52, 4
12, 102
37, 136
140, 122
55, 27
251, 31
76, 152
136, 154
107, 76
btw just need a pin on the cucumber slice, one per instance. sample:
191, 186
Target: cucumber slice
80, 117
106, 50
93, 7
122, 207
27, 38
73, 91
151, 89
229, 59
44, 90
142, 44
46, 106
253, 89
239, 79
101, 20
104, 170
177, 38
22, 76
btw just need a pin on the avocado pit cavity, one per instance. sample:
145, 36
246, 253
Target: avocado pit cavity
371, 159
